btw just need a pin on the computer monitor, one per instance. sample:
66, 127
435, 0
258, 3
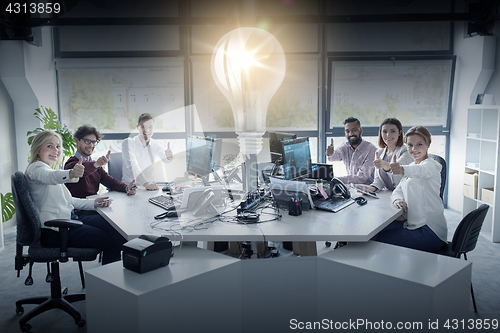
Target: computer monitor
276, 145
297, 158
202, 155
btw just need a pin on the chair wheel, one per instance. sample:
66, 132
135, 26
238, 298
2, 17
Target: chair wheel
26, 328
19, 310
65, 291
81, 323
28, 281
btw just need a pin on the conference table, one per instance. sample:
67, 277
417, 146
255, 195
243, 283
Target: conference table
134, 215
226, 294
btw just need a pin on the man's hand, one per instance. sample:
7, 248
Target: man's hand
103, 160
168, 153
151, 186
78, 169
132, 188
397, 168
401, 204
329, 150
102, 202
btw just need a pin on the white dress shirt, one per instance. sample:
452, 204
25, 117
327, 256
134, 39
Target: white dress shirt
419, 188
138, 161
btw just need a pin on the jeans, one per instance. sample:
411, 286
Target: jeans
95, 233
423, 238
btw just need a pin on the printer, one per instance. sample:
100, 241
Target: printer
146, 253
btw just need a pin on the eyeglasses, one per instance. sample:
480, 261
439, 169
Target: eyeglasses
87, 142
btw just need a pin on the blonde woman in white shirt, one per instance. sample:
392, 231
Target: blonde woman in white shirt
391, 143
417, 195
53, 200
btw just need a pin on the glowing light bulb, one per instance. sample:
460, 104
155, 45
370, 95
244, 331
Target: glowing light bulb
248, 66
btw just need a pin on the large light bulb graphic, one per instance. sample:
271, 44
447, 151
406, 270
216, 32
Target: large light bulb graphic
248, 66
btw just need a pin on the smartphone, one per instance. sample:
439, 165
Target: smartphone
371, 194
108, 199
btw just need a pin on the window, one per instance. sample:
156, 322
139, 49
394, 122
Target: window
416, 92
293, 107
111, 97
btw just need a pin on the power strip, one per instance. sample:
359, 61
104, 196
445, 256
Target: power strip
253, 201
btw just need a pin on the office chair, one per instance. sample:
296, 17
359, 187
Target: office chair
115, 166
28, 234
441, 161
465, 238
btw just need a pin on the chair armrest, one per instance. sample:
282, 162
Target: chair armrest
64, 225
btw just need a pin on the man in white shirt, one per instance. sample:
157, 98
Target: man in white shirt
140, 152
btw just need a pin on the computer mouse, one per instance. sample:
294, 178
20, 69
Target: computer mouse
170, 213
361, 201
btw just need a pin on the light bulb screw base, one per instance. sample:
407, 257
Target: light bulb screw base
250, 142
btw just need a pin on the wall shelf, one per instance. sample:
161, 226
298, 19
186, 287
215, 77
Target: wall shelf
482, 156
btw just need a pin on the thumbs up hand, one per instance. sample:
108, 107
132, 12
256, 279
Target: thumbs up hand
131, 188
168, 153
381, 164
329, 150
103, 160
77, 171
396, 167
378, 161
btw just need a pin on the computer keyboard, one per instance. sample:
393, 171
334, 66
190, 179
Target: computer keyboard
164, 201
334, 204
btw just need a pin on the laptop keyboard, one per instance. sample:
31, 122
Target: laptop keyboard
164, 201
335, 204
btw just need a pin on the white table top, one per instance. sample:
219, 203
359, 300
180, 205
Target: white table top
414, 266
133, 216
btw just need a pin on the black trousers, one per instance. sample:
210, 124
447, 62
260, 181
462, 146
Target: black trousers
95, 232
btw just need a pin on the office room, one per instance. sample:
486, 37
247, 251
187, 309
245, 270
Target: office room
104, 62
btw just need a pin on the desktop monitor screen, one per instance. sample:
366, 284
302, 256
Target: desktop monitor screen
202, 155
276, 144
297, 158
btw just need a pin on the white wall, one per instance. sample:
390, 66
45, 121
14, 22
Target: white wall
40, 71
7, 136
493, 86
27, 81
28, 73
469, 64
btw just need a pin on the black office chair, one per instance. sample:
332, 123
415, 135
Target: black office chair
115, 166
465, 238
28, 234
441, 161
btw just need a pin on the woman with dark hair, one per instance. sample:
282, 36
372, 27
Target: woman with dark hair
391, 143
417, 195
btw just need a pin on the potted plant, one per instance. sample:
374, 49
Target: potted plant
49, 121
8, 208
